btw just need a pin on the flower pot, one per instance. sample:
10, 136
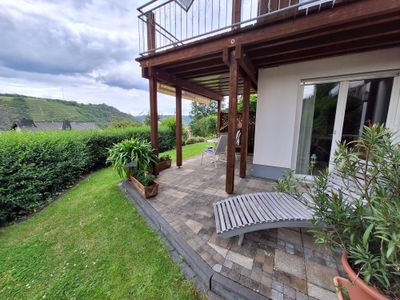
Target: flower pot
164, 164
145, 191
355, 286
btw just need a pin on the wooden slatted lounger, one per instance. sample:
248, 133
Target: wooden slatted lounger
260, 211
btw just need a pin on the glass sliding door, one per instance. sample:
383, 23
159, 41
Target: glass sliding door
367, 103
316, 127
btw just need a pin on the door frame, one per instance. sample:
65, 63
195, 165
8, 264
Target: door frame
393, 116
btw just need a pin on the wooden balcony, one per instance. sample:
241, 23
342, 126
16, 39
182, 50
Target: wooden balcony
223, 57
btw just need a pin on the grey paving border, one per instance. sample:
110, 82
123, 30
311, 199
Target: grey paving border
192, 265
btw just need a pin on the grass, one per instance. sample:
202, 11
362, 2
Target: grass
91, 243
189, 150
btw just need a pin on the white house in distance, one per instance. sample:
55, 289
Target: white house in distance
322, 70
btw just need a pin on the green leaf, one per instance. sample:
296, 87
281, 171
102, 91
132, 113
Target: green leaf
367, 234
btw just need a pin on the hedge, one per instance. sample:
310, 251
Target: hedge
36, 166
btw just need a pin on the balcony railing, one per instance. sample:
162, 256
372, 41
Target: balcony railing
165, 24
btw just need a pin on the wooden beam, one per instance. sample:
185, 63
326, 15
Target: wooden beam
187, 85
354, 12
178, 92
246, 65
231, 148
153, 114
244, 141
151, 31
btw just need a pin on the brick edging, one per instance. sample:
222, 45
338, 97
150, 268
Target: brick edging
192, 265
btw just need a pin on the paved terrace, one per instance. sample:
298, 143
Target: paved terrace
278, 264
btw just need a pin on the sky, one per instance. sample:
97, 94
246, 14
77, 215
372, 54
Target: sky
80, 50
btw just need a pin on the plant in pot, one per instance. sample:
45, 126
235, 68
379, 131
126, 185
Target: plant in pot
164, 162
363, 219
135, 160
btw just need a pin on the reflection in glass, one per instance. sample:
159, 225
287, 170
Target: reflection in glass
367, 103
316, 127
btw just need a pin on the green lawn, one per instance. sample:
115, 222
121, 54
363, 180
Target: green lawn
189, 150
91, 243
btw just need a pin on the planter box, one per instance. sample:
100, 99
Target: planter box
162, 165
145, 191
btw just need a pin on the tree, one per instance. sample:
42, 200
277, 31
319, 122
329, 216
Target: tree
252, 104
117, 122
147, 119
200, 110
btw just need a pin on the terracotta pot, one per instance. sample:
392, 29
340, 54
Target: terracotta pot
356, 287
145, 191
164, 164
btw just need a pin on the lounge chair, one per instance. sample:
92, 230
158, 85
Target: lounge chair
241, 214
217, 151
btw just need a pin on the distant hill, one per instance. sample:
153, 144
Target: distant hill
15, 107
185, 119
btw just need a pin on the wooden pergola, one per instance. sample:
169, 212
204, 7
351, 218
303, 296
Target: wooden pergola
227, 64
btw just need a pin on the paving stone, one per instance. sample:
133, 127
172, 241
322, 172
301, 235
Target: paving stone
240, 259
219, 249
288, 263
217, 268
297, 283
275, 295
228, 263
289, 235
301, 296
267, 281
289, 291
268, 265
320, 293
320, 275
277, 286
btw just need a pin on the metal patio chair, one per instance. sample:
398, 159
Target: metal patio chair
217, 151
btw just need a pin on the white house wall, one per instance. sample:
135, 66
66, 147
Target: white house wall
278, 104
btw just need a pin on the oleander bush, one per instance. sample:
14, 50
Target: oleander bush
36, 166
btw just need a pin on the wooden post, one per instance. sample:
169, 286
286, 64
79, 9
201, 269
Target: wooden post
178, 92
236, 12
153, 114
231, 148
245, 126
151, 32
219, 125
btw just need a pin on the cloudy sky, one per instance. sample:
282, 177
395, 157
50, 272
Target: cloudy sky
81, 50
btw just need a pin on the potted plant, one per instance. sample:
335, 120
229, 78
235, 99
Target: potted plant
134, 159
365, 226
164, 162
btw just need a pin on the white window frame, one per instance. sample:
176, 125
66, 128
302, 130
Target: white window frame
393, 116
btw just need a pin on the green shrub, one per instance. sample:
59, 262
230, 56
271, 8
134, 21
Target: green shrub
36, 166
195, 139
205, 126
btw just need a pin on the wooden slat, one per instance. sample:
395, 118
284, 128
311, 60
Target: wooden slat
221, 217
231, 214
217, 219
240, 211
235, 213
225, 213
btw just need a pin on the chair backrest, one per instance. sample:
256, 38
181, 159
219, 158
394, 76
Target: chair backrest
238, 136
221, 145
